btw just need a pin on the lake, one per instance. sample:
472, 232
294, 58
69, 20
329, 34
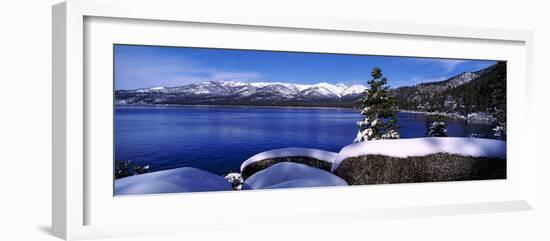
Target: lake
218, 139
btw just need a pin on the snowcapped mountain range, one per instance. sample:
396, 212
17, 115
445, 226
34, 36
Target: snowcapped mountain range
244, 93
287, 94
244, 89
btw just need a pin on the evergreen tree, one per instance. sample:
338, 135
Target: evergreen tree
437, 128
378, 109
427, 126
497, 104
236, 180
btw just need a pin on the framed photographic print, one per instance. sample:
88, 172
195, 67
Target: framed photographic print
195, 120
188, 117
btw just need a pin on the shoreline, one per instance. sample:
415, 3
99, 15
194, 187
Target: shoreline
235, 106
448, 115
456, 116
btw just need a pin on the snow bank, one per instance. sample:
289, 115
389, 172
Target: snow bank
185, 179
424, 146
289, 152
289, 175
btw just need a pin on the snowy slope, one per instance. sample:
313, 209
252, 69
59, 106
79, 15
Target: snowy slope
289, 152
461, 79
424, 146
353, 90
289, 175
185, 179
221, 88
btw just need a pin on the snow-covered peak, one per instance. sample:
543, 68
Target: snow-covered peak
354, 89
328, 89
231, 83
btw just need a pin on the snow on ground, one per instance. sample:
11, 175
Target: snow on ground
184, 179
424, 146
289, 174
288, 152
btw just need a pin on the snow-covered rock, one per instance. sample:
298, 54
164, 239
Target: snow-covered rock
184, 179
289, 175
465, 146
326, 156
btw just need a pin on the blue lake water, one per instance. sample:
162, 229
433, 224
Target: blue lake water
219, 139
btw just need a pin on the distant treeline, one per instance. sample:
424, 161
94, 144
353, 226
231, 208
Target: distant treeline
479, 95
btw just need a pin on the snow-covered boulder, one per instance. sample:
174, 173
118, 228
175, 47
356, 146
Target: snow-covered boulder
424, 146
312, 157
184, 179
289, 175
421, 160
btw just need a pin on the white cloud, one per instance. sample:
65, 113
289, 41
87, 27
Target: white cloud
185, 79
139, 72
417, 80
449, 64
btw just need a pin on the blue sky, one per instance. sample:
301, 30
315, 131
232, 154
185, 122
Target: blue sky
149, 66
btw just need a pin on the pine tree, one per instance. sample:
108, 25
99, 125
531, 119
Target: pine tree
437, 128
378, 109
427, 126
497, 105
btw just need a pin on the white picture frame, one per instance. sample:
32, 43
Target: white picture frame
75, 201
